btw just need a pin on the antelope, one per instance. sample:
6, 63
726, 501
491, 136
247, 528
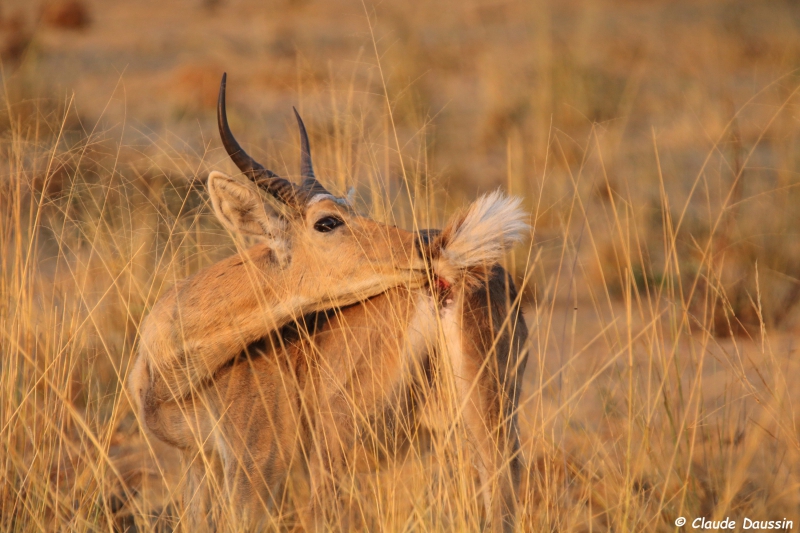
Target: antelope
261, 360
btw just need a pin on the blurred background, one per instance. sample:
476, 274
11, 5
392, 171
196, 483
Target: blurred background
655, 143
609, 97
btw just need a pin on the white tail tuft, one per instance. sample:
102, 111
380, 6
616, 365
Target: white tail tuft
492, 224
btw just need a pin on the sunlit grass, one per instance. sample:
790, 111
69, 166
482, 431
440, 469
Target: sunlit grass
661, 368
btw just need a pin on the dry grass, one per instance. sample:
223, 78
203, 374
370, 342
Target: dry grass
654, 144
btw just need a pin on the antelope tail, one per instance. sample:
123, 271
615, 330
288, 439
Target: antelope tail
478, 237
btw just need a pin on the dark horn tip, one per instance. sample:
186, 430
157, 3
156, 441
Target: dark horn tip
306, 167
221, 98
303, 134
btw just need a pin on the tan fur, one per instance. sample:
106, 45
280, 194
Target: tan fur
203, 322
218, 378
309, 399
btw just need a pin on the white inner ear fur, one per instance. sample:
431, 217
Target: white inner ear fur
240, 208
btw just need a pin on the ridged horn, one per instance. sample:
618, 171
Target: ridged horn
309, 186
267, 180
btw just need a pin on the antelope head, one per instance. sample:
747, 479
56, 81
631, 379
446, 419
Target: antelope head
315, 238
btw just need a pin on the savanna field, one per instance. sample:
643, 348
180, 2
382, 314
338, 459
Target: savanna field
655, 144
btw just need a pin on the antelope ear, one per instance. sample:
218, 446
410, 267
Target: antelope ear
241, 209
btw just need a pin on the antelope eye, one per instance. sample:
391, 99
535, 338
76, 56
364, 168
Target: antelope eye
326, 224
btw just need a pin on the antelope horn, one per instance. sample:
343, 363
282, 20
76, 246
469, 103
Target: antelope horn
310, 186
267, 180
